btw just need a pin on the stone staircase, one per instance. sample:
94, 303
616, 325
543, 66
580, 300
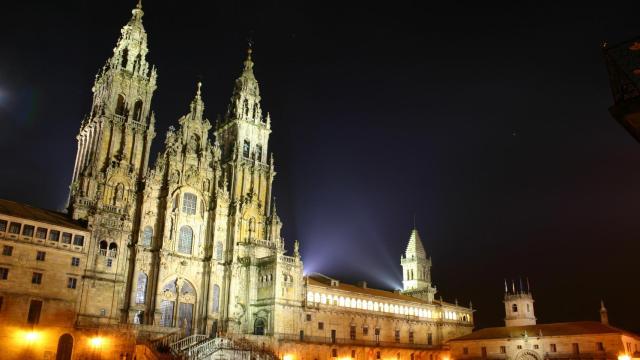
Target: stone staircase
203, 347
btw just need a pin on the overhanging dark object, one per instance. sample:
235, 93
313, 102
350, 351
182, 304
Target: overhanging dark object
623, 64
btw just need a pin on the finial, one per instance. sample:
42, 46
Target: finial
414, 221
506, 290
602, 306
528, 287
199, 86
521, 285
139, 4
513, 286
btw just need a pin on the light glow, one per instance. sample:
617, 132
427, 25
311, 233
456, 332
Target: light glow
624, 357
288, 357
31, 336
96, 341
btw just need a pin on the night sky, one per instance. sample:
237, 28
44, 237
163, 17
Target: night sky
488, 122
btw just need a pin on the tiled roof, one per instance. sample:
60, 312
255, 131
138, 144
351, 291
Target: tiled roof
554, 329
321, 280
25, 211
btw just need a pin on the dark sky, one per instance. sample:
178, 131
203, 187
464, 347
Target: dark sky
488, 121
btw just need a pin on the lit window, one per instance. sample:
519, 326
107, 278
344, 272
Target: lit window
216, 298
54, 235
71, 283
41, 233
75, 261
27, 230
246, 147
66, 238
78, 240
219, 251
40, 255
14, 228
7, 250
141, 288
186, 240
147, 234
189, 202
36, 278
259, 152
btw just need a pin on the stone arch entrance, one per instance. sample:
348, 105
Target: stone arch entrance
259, 326
65, 347
527, 355
178, 303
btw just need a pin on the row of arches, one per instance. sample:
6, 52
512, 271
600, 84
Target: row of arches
108, 249
121, 108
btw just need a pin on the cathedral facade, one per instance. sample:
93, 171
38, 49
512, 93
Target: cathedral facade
192, 241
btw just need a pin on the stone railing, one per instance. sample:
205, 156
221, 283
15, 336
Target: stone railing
356, 342
187, 342
108, 253
287, 259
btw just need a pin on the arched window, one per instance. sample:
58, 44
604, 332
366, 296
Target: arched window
259, 327
219, 251
147, 235
514, 308
113, 249
141, 288
137, 111
259, 152
189, 202
186, 239
120, 106
246, 147
103, 245
215, 305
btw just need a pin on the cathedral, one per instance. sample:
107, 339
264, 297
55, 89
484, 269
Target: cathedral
191, 243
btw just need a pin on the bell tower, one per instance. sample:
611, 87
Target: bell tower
113, 152
416, 269
518, 305
253, 225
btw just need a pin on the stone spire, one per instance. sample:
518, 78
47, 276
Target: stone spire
245, 101
415, 249
604, 315
197, 105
